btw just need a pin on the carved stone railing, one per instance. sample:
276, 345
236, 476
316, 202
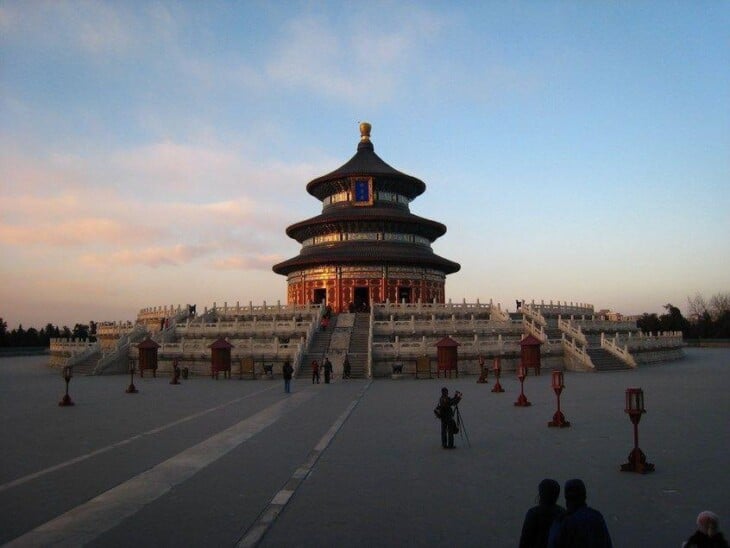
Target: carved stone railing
536, 330
593, 324
563, 309
116, 361
113, 329
577, 352
413, 348
532, 313
572, 331
252, 328
639, 342
267, 349
419, 308
415, 325
71, 346
622, 353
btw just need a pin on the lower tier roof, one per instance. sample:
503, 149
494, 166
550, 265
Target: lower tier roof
367, 253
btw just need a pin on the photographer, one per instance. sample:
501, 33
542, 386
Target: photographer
445, 413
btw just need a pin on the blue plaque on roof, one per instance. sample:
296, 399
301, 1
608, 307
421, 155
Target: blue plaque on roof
362, 190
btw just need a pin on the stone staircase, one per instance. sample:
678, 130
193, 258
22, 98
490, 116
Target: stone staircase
552, 330
86, 366
605, 361
317, 349
358, 350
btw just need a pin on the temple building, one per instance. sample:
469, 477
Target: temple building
366, 246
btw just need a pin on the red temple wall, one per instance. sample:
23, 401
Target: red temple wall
340, 292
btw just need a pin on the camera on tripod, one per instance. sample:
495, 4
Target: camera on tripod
457, 394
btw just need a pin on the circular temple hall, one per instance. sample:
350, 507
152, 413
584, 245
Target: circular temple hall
366, 246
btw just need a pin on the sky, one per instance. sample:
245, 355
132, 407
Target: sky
153, 153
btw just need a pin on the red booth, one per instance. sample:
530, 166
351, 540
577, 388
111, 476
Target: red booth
446, 356
220, 358
530, 353
148, 356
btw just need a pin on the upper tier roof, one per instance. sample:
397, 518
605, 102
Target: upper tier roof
366, 163
375, 215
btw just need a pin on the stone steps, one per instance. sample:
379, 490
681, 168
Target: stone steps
605, 361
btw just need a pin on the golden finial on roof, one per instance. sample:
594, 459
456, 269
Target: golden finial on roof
365, 132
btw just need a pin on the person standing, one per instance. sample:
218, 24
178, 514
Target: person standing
581, 526
539, 519
287, 371
327, 366
315, 371
446, 415
346, 368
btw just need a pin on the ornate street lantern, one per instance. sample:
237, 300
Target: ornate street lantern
131, 389
558, 385
634, 409
497, 372
66, 373
522, 399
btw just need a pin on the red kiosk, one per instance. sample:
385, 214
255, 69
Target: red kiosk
220, 358
530, 353
446, 356
148, 356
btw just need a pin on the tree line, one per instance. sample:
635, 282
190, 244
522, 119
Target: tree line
32, 337
707, 319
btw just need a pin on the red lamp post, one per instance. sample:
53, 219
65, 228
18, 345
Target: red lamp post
522, 399
131, 389
558, 385
497, 371
483, 372
66, 373
635, 408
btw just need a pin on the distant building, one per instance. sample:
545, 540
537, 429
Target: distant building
366, 246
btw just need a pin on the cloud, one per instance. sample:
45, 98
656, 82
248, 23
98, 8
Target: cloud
153, 257
255, 262
84, 231
99, 29
361, 61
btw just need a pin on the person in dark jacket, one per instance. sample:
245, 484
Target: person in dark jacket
346, 368
708, 533
446, 414
539, 519
580, 526
327, 366
287, 371
315, 372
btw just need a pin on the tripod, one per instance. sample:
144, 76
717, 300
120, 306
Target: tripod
462, 428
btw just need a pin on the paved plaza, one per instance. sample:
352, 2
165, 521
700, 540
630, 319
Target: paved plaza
353, 463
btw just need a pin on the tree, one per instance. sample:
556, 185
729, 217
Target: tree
81, 331
719, 304
3, 332
649, 323
696, 307
673, 320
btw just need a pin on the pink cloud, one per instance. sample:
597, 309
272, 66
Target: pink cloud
153, 257
256, 262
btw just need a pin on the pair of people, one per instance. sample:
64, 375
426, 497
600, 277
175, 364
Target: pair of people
549, 525
326, 367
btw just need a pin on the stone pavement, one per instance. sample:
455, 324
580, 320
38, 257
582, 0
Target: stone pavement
357, 463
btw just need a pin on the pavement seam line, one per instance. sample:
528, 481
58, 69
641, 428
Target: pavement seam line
258, 529
89, 520
102, 450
